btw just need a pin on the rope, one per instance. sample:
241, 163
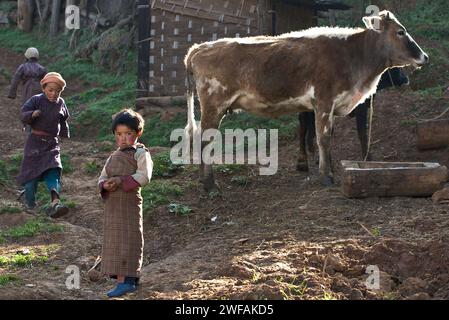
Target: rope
445, 111
371, 112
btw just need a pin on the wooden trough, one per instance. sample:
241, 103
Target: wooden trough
389, 179
433, 134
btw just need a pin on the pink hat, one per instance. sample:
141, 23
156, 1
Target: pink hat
53, 77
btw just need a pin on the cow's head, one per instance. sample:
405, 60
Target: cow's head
399, 46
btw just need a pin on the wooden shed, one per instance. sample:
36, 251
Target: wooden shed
167, 29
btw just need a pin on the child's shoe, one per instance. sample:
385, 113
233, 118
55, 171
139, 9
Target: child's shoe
121, 289
58, 210
31, 210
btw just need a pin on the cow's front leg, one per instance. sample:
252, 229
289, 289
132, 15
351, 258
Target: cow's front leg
323, 124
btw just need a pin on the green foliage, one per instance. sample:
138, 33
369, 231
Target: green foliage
163, 166
4, 176
20, 260
240, 180
66, 163
157, 132
8, 6
92, 167
9, 168
10, 209
179, 209
7, 279
31, 228
229, 168
157, 193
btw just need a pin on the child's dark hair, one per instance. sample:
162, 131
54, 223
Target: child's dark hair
129, 118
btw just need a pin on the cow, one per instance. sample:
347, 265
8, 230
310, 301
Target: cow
393, 77
325, 70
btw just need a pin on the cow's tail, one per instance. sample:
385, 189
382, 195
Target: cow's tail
191, 126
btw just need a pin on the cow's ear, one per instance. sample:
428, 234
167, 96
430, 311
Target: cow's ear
373, 23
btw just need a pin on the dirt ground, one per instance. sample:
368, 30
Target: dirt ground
278, 237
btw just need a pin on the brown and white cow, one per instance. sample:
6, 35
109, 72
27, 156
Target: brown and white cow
326, 70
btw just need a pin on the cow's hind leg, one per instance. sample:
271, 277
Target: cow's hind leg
361, 116
209, 120
323, 123
302, 164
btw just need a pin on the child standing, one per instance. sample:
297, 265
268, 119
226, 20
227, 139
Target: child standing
127, 170
30, 74
47, 116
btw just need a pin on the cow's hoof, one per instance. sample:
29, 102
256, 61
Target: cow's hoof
302, 166
327, 181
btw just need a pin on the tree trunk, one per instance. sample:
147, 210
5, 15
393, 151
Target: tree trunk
55, 13
25, 15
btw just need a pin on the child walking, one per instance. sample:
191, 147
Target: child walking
29, 74
47, 116
127, 170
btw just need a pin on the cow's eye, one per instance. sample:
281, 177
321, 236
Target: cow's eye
401, 33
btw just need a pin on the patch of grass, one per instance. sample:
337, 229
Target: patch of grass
229, 168
92, 167
294, 288
157, 193
7, 279
329, 296
87, 120
10, 210
179, 209
408, 123
240, 180
70, 204
163, 166
20, 260
66, 163
31, 228
390, 296
376, 231
10, 168
4, 176
30, 258
157, 133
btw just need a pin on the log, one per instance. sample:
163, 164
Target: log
163, 102
433, 134
390, 179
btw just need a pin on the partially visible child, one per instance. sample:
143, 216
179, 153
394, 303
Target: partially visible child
47, 116
127, 170
29, 74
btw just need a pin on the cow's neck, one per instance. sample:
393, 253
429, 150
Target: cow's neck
373, 60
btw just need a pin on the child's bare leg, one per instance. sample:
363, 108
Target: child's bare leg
120, 279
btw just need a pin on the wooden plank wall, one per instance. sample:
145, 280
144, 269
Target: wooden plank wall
177, 24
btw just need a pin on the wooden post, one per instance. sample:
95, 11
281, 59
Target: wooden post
25, 15
332, 18
143, 68
264, 9
55, 14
